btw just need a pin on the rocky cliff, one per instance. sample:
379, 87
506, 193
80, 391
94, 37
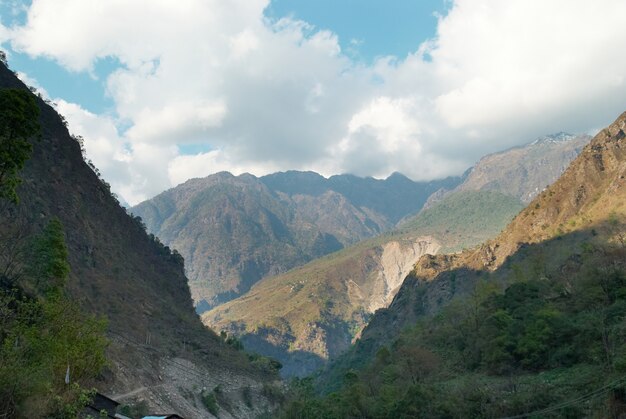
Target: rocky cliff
313, 313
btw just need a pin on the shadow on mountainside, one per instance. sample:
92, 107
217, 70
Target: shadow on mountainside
325, 337
563, 258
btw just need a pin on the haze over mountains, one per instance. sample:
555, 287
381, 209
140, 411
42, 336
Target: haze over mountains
233, 231
289, 316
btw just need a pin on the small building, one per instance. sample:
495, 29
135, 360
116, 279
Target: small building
100, 403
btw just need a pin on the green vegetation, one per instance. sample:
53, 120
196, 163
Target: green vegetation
49, 255
209, 400
18, 123
544, 344
465, 219
49, 348
283, 308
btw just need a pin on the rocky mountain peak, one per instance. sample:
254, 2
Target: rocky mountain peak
558, 137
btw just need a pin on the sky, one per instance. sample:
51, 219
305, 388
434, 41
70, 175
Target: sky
163, 91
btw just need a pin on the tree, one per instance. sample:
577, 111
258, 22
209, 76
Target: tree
49, 261
43, 334
19, 121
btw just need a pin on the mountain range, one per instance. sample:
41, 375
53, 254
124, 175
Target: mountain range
314, 313
235, 230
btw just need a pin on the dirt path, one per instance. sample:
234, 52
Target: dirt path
129, 394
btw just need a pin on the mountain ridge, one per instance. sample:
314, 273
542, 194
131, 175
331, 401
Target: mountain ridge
522, 171
214, 223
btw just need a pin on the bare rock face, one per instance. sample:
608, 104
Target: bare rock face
396, 262
314, 313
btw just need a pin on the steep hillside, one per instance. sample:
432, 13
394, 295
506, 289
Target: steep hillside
118, 271
464, 219
313, 313
524, 171
232, 231
584, 208
527, 340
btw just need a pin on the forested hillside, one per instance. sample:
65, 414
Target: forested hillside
531, 323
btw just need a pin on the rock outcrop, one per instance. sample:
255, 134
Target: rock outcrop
313, 313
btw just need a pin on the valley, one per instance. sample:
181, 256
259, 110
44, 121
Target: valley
279, 209
511, 311
233, 231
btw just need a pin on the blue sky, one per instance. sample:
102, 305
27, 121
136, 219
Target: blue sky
367, 29
169, 90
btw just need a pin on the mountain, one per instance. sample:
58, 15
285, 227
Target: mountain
523, 171
159, 352
569, 238
234, 230
456, 220
313, 313
463, 219
407, 196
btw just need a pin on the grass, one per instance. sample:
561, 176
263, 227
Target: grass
465, 219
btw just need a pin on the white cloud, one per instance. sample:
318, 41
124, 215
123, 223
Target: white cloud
504, 62
181, 120
32, 83
182, 168
4, 34
279, 95
135, 171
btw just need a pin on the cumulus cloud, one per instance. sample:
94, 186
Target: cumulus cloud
134, 170
506, 62
182, 168
274, 95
